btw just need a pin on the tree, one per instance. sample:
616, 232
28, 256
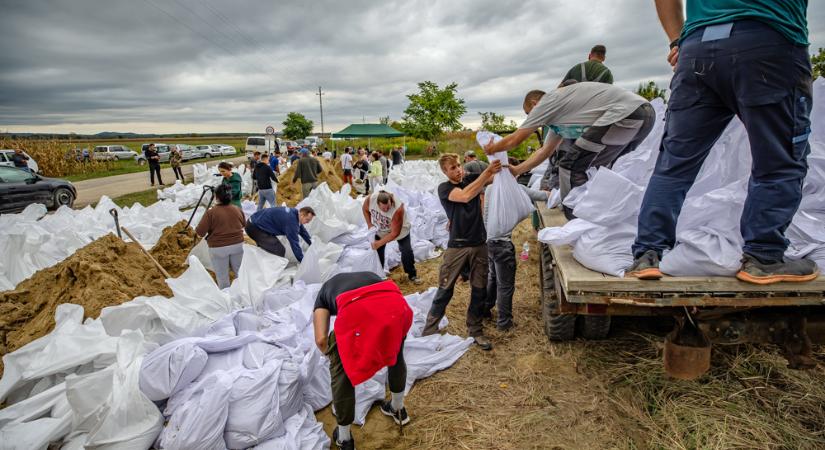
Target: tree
650, 91
297, 126
818, 64
397, 125
491, 121
385, 120
433, 111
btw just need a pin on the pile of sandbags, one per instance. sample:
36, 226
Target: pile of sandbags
708, 236
187, 195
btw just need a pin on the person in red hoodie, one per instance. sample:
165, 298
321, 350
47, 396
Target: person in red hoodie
373, 319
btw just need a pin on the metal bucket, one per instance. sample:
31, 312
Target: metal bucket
686, 362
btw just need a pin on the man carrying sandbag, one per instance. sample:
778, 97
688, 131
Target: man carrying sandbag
460, 197
598, 123
748, 59
372, 321
266, 225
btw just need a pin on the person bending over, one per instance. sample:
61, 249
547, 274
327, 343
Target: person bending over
372, 321
223, 227
266, 225
390, 219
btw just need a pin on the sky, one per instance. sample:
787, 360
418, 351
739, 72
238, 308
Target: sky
209, 66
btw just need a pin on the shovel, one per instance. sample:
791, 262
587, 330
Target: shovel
113, 212
211, 197
157, 264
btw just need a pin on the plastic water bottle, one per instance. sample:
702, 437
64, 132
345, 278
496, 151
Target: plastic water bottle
525, 252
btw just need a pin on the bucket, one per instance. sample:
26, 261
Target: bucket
687, 353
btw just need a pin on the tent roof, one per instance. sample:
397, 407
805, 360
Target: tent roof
368, 130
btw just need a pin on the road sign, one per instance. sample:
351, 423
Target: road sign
270, 130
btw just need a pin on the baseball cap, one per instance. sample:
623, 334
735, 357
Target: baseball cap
470, 153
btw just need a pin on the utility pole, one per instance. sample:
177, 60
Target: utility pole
321, 102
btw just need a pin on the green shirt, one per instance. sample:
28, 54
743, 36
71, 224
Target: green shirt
785, 16
235, 183
590, 71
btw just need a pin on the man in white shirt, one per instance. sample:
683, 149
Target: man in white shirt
346, 164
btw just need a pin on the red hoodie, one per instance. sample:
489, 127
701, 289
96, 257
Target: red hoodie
370, 328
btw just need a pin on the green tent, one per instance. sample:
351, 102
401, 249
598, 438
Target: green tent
368, 130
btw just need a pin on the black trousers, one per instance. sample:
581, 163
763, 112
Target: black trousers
154, 169
407, 255
178, 173
501, 280
265, 240
343, 392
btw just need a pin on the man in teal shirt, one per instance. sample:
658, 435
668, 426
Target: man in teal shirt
747, 58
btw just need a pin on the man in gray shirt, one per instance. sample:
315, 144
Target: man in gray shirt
472, 165
598, 123
501, 255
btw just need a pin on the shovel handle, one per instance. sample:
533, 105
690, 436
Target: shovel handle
157, 264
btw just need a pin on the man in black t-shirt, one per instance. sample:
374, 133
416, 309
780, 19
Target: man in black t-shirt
459, 196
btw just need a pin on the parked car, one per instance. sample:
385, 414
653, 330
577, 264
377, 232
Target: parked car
208, 151
19, 189
314, 140
162, 149
227, 150
113, 152
187, 151
5, 160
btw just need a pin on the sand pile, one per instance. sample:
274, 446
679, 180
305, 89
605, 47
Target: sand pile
290, 193
106, 272
173, 247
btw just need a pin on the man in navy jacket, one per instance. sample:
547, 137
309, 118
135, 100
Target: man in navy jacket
266, 225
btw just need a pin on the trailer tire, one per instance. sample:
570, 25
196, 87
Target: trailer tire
558, 327
594, 327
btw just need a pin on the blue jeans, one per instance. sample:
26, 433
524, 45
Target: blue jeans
266, 195
765, 80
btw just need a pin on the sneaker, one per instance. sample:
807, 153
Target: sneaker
483, 342
400, 417
343, 445
416, 281
645, 267
757, 272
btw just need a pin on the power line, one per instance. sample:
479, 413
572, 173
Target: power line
238, 31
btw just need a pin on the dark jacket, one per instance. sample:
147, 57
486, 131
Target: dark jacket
307, 170
264, 176
283, 221
150, 157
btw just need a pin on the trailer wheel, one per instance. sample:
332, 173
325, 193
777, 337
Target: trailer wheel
559, 327
594, 327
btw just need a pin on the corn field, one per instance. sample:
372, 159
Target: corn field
56, 158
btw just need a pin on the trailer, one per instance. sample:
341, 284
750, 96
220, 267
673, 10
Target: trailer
577, 301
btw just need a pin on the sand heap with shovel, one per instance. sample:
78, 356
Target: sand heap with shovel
290, 193
106, 272
173, 247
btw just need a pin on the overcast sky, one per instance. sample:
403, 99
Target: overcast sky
218, 66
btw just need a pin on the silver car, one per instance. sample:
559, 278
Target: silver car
226, 150
113, 152
209, 151
163, 152
5, 160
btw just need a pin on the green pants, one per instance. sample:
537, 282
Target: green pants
306, 188
343, 392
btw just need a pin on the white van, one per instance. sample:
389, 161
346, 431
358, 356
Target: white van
263, 144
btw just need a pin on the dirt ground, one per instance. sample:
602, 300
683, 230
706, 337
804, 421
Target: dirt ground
529, 394
290, 193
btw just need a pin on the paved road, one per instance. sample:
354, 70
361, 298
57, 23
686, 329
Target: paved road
90, 191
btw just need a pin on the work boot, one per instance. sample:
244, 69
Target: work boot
343, 445
416, 281
483, 342
645, 267
756, 272
431, 326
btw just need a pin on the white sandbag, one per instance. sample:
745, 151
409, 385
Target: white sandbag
254, 412
127, 419
606, 250
302, 432
259, 271
567, 234
508, 203
358, 259
610, 198
171, 368
37, 421
319, 262
427, 355
201, 251
198, 414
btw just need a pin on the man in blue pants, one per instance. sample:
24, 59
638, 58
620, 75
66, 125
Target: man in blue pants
747, 58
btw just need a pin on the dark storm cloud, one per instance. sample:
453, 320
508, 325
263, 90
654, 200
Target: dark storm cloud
205, 65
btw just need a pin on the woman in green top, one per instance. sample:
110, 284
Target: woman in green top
376, 173
233, 180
